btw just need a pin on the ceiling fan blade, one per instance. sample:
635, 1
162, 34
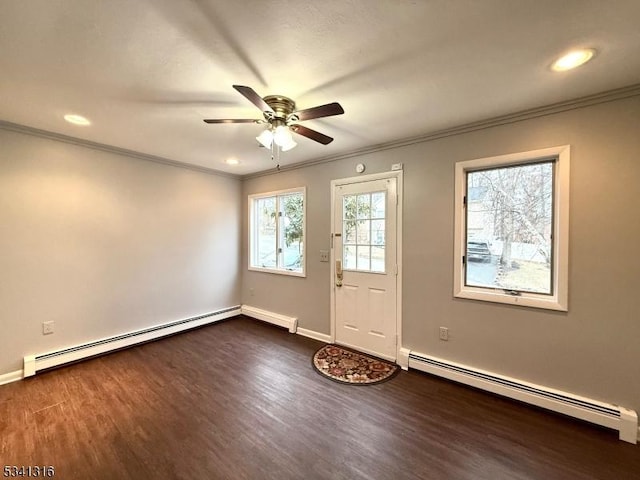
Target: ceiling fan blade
312, 134
250, 94
231, 120
327, 110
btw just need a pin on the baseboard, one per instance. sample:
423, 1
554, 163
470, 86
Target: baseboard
291, 323
322, 337
11, 377
608, 415
403, 358
37, 362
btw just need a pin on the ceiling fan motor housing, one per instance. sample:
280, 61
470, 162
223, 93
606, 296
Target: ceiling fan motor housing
282, 106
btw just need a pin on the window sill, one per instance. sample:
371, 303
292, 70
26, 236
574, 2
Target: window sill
291, 273
525, 300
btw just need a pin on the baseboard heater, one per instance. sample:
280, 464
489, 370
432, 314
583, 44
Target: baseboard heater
607, 415
36, 363
290, 323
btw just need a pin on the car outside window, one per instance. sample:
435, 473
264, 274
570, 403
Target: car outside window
512, 229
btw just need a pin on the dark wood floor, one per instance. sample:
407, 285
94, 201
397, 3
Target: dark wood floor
240, 400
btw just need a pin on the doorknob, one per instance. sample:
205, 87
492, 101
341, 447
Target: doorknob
338, 273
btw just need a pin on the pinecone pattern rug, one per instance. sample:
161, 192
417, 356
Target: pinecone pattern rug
352, 368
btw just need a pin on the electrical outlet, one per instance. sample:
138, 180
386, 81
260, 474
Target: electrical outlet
324, 255
444, 333
251, 292
47, 328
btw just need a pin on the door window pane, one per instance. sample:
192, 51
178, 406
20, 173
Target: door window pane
377, 259
349, 257
364, 231
350, 232
377, 232
349, 207
378, 201
364, 206
364, 257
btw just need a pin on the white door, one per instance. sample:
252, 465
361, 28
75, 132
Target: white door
364, 248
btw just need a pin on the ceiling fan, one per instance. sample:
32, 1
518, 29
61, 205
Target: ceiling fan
281, 116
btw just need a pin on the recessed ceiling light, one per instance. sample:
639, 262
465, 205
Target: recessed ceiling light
231, 161
573, 59
76, 119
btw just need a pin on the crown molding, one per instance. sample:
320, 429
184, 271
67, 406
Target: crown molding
574, 104
15, 127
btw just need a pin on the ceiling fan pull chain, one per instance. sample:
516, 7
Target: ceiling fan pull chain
278, 150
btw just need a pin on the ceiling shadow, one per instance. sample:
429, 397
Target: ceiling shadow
390, 64
204, 33
216, 20
334, 125
169, 97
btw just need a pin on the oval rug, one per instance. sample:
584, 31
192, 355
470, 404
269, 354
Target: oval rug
352, 368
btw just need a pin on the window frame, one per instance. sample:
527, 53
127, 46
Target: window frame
558, 299
253, 239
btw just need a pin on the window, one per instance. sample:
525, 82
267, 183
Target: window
363, 231
511, 241
277, 231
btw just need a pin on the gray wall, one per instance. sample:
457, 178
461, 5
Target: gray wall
592, 350
104, 244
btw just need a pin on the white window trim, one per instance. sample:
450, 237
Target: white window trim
558, 300
251, 217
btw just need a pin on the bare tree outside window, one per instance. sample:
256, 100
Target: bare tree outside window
510, 227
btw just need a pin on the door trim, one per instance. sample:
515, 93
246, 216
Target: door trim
398, 175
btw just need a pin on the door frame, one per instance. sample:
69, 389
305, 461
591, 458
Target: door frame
398, 175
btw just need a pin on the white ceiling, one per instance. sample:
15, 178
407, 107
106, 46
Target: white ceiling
146, 72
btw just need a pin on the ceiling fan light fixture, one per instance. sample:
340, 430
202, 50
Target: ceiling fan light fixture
288, 145
265, 138
283, 138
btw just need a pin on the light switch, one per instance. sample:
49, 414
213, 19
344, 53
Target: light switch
324, 255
